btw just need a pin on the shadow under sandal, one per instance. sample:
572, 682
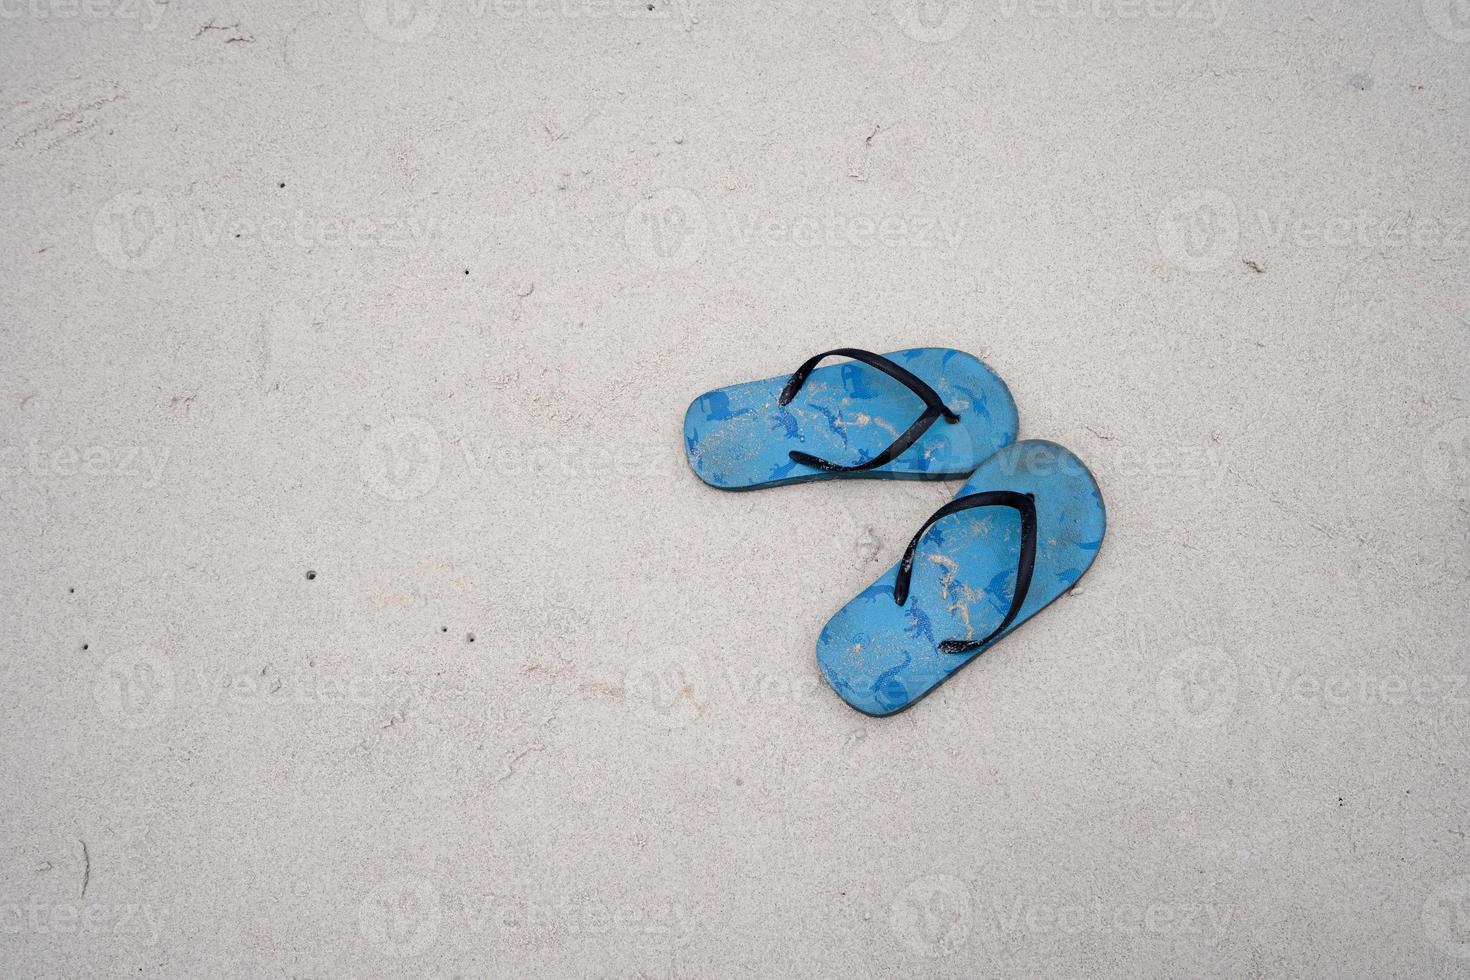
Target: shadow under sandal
928, 413
1020, 532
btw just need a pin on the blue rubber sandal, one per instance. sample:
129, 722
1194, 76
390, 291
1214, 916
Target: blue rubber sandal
1024, 528
855, 419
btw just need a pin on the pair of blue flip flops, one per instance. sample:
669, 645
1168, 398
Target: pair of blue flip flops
1023, 529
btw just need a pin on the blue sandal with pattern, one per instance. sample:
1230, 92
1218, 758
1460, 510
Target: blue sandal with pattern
855, 419
1022, 531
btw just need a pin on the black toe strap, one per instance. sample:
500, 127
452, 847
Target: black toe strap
1025, 503
934, 408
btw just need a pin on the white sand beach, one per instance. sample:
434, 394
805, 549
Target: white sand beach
363, 618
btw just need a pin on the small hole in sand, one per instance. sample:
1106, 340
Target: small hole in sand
470, 637
86, 646
310, 575
281, 184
